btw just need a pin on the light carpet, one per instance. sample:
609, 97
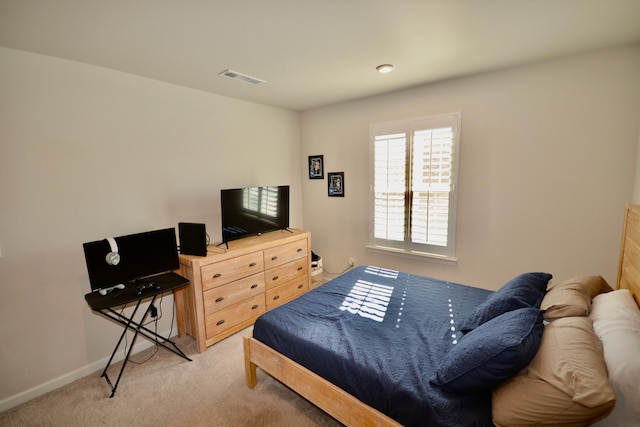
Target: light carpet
167, 390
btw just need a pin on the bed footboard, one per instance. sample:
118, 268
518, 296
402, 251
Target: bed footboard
250, 368
333, 400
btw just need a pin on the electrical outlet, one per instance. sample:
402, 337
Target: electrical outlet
352, 262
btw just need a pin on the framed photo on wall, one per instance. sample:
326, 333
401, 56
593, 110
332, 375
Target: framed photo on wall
336, 184
316, 167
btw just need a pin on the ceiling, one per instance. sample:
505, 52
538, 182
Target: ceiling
313, 52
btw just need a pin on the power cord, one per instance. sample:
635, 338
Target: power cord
156, 314
337, 274
153, 311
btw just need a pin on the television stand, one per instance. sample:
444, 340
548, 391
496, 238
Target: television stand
104, 304
230, 289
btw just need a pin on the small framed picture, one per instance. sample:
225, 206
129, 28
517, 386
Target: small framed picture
336, 184
316, 167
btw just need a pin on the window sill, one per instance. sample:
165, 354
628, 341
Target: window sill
441, 259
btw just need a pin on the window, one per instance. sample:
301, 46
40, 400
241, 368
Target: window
413, 168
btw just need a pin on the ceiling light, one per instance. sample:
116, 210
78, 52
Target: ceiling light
384, 68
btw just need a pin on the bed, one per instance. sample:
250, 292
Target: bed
377, 347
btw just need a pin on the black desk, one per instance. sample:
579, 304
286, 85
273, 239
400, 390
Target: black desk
103, 304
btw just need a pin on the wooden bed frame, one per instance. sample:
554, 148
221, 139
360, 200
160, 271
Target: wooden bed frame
629, 263
352, 412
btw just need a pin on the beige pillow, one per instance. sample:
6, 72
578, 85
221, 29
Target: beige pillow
565, 383
572, 297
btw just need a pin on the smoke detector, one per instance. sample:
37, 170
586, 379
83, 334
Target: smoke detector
242, 77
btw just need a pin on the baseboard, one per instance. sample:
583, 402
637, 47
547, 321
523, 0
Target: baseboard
70, 377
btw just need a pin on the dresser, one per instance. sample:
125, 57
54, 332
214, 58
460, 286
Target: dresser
231, 287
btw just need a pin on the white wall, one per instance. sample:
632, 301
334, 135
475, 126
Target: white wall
547, 163
87, 153
636, 186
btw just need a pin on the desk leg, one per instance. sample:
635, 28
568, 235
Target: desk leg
124, 362
140, 329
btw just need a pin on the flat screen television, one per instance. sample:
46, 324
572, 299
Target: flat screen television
141, 255
253, 210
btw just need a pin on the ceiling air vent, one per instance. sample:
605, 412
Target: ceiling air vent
242, 77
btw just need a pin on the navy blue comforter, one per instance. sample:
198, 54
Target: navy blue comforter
379, 335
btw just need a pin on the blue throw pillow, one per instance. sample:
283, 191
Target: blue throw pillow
525, 290
491, 353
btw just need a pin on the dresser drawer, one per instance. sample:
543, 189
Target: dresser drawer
284, 273
220, 273
221, 320
283, 254
224, 296
287, 291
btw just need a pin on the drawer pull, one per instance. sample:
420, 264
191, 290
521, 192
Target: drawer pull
275, 278
299, 250
217, 275
219, 299
220, 322
253, 264
299, 268
255, 285
255, 306
276, 297
300, 286
275, 257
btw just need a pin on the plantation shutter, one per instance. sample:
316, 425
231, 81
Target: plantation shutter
390, 186
430, 186
413, 184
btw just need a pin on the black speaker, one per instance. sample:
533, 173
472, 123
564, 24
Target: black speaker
193, 238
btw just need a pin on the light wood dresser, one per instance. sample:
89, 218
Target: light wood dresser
231, 287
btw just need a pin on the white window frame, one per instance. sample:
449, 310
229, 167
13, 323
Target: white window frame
444, 253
